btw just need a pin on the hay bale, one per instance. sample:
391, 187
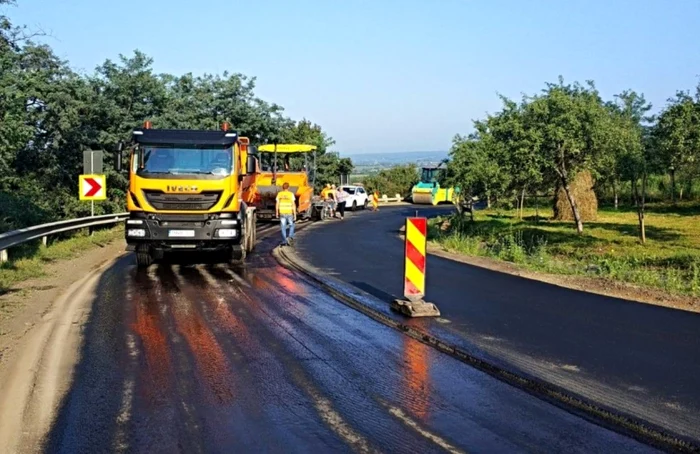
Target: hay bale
584, 196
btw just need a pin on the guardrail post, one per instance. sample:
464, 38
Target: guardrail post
3, 256
45, 240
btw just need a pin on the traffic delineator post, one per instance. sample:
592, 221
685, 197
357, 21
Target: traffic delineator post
413, 305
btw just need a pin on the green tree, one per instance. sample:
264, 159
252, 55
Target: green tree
49, 115
571, 126
394, 180
677, 136
629, 107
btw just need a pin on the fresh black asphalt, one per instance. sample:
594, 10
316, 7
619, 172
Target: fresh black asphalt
640, 359
191, 357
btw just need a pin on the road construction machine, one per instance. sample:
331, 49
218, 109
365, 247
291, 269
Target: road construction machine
428, 190
279, 164
185, 193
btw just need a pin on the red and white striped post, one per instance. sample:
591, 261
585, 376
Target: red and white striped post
414, 272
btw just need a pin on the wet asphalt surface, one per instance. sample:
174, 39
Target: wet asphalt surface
192, 358
640, 359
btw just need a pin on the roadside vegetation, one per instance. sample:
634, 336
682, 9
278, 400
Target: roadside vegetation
30, 261
398, 179
610, 248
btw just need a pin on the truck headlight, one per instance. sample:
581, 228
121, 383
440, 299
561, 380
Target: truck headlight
230, 222
226, 233
134, 221
136, 232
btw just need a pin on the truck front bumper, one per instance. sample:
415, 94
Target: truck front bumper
183, 232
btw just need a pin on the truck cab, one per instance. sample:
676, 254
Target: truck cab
185, 193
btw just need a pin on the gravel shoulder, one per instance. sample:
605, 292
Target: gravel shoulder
25, 305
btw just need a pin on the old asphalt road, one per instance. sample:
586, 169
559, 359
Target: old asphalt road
636, 358
209, 358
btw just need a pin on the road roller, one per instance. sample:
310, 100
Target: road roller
428, 191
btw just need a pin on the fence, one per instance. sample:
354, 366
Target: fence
43, 231
386, 199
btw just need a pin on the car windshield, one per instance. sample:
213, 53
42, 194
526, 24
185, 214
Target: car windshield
185, 161
349, 190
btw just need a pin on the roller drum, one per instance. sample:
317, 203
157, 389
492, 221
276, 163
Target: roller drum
422, 198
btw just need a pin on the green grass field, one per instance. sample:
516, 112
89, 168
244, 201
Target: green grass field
609, 247
31, 262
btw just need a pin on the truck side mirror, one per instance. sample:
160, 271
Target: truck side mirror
119, 156
251, 164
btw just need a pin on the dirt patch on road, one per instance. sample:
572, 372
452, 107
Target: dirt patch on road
28, 301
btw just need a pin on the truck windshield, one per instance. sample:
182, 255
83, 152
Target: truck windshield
193, 162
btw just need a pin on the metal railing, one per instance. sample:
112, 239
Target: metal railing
43, 231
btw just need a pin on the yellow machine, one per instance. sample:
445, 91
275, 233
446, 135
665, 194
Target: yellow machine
279, 164
185, 193
428, 191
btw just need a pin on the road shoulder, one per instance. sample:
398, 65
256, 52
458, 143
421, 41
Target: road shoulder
598, 286
32, 299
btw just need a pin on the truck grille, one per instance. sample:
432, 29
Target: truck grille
186, 202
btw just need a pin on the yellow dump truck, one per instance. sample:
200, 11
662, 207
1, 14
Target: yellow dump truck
185, 193
279, 164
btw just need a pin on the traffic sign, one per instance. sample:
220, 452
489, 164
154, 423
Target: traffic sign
92, 162
92, 187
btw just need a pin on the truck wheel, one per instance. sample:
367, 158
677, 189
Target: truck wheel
354, 205
144, 259
238, 254
250, 232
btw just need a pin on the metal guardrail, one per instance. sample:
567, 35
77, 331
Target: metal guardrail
43, 231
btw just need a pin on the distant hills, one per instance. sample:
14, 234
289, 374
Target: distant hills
382, 160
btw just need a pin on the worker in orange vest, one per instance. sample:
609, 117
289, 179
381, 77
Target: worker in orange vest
375, 200
286, 210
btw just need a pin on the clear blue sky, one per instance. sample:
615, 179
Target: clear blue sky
390, 75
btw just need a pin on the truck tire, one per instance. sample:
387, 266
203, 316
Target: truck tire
354, 205
250, 232
238, 254
144, 259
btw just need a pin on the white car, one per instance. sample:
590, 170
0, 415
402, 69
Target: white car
357, 197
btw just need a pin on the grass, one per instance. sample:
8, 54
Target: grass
609, 247
30, 261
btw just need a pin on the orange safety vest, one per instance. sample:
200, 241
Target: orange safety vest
286, 202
